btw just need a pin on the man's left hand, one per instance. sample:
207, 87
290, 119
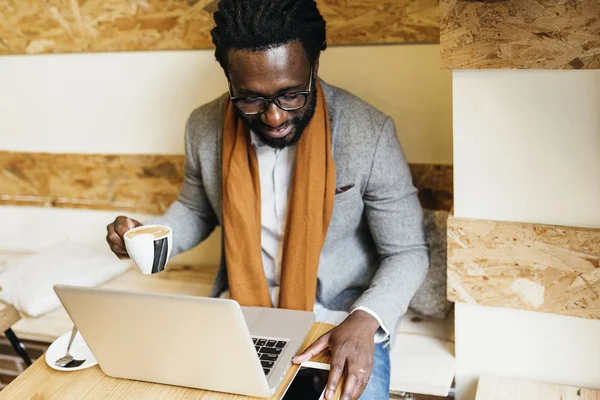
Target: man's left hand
352, 349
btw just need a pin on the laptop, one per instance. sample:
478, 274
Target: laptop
205, 343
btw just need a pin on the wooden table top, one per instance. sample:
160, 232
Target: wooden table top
42, 382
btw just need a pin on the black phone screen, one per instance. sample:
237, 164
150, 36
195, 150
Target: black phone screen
308, 384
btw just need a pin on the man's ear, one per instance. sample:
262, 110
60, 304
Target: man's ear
316, 67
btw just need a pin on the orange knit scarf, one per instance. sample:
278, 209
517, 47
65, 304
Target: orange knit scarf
309, 212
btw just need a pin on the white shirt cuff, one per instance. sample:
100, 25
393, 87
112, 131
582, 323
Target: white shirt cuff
382, 333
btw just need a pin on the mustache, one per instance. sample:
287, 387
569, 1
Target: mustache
260, 124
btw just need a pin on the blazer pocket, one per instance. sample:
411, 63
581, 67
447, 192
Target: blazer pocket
347, 211
343, 189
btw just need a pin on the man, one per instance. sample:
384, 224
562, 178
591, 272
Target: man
310, 186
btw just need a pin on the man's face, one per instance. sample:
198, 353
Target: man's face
270, 73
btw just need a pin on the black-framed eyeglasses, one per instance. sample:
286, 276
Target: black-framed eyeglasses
257, 104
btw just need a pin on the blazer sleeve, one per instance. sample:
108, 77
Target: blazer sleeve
395, 219
191, 216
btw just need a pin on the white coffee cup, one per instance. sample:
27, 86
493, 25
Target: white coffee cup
149, 246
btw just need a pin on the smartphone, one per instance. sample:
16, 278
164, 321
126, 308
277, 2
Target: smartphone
309, 382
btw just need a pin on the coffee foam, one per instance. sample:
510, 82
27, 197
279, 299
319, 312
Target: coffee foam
155, 231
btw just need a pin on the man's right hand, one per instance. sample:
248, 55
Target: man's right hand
115, 232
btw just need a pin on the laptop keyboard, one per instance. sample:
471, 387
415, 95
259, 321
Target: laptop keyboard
268, 351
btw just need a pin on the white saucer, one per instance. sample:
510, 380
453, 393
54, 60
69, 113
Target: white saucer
79, 351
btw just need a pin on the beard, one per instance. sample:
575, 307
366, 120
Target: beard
299, 126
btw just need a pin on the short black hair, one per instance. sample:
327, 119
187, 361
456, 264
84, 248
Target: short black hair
258, 25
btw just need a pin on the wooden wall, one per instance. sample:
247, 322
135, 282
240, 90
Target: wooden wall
546, 268
536, 34
138, 183
64, 26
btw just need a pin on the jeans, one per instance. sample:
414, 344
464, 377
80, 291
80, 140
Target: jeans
378, 387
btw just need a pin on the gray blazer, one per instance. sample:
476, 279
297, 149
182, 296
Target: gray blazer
375, 254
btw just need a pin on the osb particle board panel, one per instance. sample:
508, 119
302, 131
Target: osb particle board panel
139, 183
65, 26
523, 34
497, 388
381, 21
546, 268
